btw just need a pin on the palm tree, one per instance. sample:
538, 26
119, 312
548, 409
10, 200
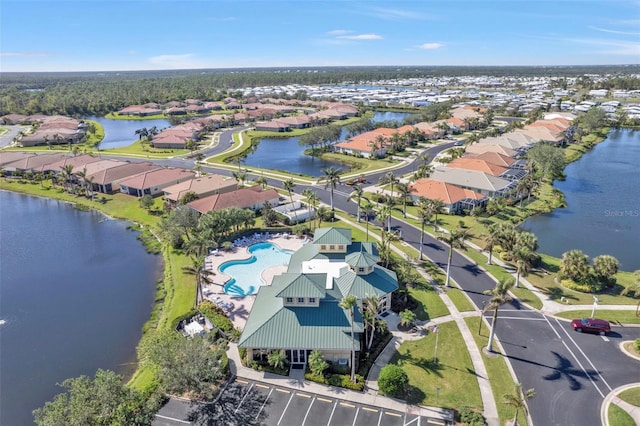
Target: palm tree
356, 194
424, 215
371, 305
453, 239
367, 207
277, 359
240, 176
518, 400
523, 258
197, 268
574, 265
262, 181
348, 303
407, 317
492, 239
403, 192
384, 212
332, 178
389, 179
436, 206
288, 186
317, 363
67, 175
313, 201
499, 296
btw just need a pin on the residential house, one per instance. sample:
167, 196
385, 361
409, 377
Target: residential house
253, 198
202, 187
300, 311
455, 198
31, 163
483, 183
108, 180
272, 126
479, 148
153, 182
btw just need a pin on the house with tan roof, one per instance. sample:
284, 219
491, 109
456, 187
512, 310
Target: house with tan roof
430, 130
479, 148
153, 182
455, 198
252, 197
202, 187
108, 180
78, 163
32, 163
483, 183
477, 165
141, 110
7, 157
272, 126
499, 160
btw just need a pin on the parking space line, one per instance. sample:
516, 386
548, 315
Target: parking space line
332, 411
308, 409
172, 419
380, 417
243, 398
264, 403
417, 419
285, 408
355, 417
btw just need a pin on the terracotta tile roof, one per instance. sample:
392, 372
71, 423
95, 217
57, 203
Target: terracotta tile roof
445, 192
202, 185
479, 148
157, 178
493, 158
77, 162
124, 171
34, 162
242, 198
477, 165
98, 166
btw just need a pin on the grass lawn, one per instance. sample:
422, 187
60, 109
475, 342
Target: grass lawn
460, 299
632, 396
430, 304
140, 150
618, 417
449, 383
499, 375
623, 317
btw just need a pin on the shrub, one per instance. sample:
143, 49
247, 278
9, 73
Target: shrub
471, 417
584, 287
344, 381
636, 344
393, 380
216, 316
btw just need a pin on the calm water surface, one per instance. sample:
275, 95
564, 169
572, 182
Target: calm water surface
75, 291
286, 154
119, 133
603, 196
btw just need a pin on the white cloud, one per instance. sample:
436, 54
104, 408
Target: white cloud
604, 30
395, 14
24, 54
361, 37
339, 32
187, 60
430, 46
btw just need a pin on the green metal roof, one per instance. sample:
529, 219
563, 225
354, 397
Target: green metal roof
361, 259
301, 285
332, 236
379, 282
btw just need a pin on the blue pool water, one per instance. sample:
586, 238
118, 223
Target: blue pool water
246, 274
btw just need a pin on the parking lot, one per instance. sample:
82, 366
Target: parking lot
245, 402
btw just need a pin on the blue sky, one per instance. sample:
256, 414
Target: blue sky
100, 35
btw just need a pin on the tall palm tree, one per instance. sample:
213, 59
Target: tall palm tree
518, 400
356, 195
403, 192
389, 179
499, 296
348, 303
67, 175
288, 186
384, 212
367, 207
332, 179
262, 181
492, 239
240, 176
424, 215
313, 200
574, 265
454, 239
371, 305
436, 207
523, 258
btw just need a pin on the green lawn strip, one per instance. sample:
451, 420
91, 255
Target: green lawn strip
460, 300
138, 149
359, 165
632, 396
623, 317
453, 375
499, 375
618, 417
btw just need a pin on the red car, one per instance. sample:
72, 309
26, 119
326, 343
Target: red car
591, 325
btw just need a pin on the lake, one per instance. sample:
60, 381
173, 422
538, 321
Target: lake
76, 291
119, 133
603, 197
287, 155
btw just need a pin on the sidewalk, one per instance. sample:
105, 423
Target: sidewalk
238, 370
612, 398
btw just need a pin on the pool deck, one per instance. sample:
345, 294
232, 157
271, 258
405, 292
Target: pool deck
242, 305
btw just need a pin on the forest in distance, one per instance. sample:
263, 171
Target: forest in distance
99, 93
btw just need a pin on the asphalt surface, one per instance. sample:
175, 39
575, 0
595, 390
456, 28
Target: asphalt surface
245, 402
571, 373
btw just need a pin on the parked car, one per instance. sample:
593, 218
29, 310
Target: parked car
591, 325
352, 182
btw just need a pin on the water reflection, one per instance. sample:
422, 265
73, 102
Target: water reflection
120, 133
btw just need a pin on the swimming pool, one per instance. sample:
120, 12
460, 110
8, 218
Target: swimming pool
246, 274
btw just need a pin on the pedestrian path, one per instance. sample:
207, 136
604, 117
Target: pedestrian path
612, 398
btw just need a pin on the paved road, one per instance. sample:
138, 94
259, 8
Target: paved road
7, 138
245, 402
570, 373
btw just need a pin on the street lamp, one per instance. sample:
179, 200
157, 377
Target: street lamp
481, 316
595, 305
